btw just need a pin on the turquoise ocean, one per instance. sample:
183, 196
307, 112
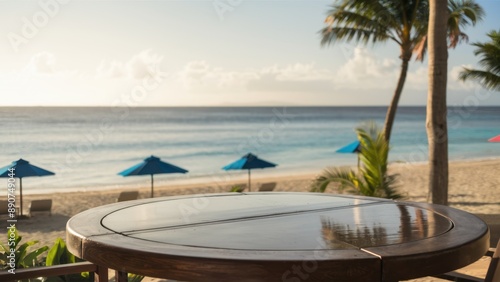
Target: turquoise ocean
87, 147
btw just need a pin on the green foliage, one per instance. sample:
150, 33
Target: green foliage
24, 256
372, 179
489, 75
134, 277
237, 188
462, 13
59, 254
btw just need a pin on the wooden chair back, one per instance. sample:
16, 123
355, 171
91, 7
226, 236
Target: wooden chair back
127, 196
267, 187
4, 205
41, 206
493, 274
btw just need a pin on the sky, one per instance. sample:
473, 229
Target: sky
207, 53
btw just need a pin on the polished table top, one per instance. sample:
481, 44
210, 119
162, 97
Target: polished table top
277, 237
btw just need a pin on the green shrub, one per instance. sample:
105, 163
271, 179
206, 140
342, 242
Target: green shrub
59, 254
372, 178
24, 257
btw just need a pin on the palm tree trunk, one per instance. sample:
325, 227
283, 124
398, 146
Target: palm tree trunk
391, 111
436, 124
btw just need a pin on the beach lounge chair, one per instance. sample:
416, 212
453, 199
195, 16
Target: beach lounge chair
492, 275
127, 196
3, 207
267, 187
40, 206
238, 188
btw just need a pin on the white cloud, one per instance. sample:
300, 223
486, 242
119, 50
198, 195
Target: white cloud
417, 79
194, 73
141, 65
298, 72
112, 70
365, 70
296, 77
362, 73
42, 63
200, 75
456, 84
234, 78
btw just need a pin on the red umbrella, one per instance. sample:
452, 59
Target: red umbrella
495, 139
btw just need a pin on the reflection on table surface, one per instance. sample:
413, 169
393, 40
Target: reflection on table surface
277, 222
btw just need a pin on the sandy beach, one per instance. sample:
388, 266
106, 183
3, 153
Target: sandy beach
474, 187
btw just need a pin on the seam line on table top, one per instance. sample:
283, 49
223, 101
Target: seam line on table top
240, 219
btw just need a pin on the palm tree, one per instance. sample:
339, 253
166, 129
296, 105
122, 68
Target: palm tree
402, 21
437, 131
489, 77
372, 178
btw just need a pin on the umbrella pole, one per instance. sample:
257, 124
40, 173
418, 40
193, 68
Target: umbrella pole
21, 193
249, 183
152, 186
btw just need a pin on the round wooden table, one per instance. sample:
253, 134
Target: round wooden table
277, 237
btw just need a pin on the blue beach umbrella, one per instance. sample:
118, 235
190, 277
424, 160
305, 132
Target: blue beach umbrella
151, 166
354, 147
248, 162
20, 169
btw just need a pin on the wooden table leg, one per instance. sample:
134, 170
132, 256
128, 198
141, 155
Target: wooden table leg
121, 276
101, 275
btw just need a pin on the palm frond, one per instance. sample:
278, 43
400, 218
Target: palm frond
332, 35
344, 177
363, 21
487, 79
373, 155
490, 56
462, 13
420, 49
489, 76
389, 188
490, 53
